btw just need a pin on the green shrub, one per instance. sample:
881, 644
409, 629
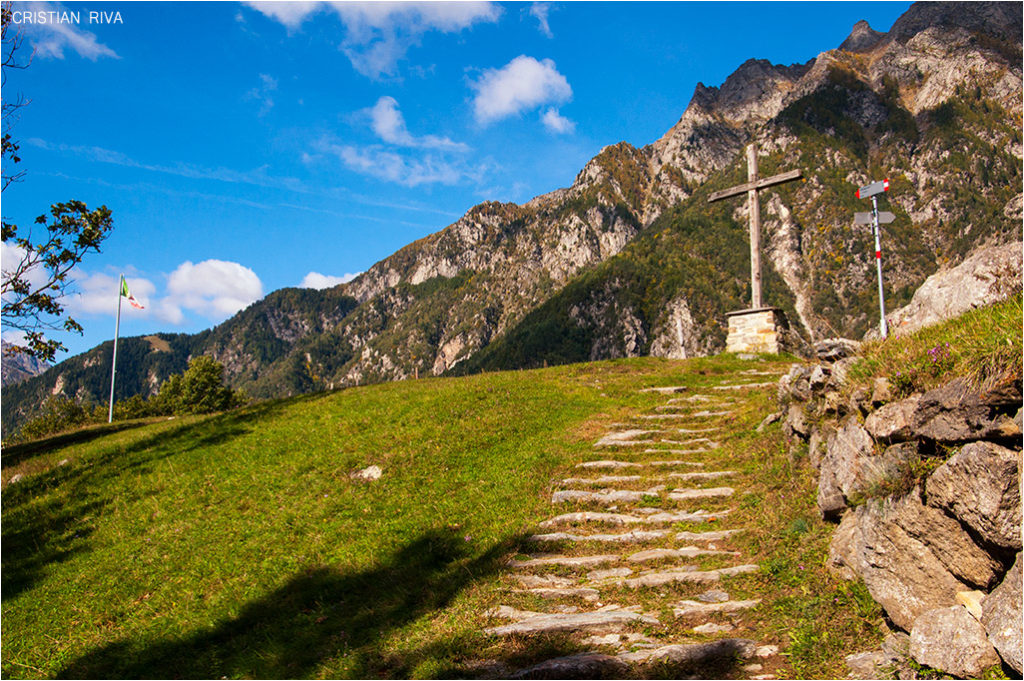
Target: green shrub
59, 413
200, 390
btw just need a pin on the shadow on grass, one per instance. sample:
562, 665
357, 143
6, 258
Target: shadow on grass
49, 516
15, 454
318, 615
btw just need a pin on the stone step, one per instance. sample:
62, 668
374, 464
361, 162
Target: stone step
623, 437
654, 517
614, 479
704, 475
587, 665
661, 417
603, 480
684, 574
741, 386
617, 640
717, 535
605, 496
695, 654
543, 560
693, 608
667, 390
699, 493
684, 552
672, 463
696, 398
706, 414
613, 464
633, 536
544, 581
697, 431
707, 448
609, 618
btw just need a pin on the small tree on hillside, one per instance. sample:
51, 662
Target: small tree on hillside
200, 390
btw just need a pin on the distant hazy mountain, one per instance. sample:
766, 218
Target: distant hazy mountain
632, 260
16, 367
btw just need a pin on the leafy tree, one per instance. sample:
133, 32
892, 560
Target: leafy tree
33, 289
200, 390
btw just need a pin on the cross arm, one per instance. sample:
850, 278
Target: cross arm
761, 183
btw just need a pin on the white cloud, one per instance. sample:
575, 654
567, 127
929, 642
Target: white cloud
556, 122
15, 337
379, 34
52, 37
10, 257
522, 84
213, 288
539, 10
322, 281
388, 124
96, 293
291, 14
393, 167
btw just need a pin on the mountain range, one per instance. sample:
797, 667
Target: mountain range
633, 260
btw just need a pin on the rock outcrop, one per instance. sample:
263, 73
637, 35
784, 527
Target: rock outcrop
989, 275
935, 551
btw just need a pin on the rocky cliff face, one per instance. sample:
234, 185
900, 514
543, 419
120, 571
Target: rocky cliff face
631, 260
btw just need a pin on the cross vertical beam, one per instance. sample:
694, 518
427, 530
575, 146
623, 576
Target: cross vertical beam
754, 206
751, 187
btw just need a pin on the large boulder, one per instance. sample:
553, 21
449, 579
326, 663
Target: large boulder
987, 276
912, 558
980, 486
1001, 617
892, 422
952, 641
956, 412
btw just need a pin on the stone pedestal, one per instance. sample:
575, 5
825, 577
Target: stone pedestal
757, 330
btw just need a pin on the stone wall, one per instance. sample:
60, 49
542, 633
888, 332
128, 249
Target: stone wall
940, 552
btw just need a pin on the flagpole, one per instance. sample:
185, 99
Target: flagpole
117, 331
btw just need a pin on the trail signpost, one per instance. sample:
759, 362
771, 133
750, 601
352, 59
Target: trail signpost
876, 218
755, 329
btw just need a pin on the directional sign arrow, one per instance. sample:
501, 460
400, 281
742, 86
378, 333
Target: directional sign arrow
884, 218
869, 190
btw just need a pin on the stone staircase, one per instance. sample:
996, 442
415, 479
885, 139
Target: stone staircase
617, 536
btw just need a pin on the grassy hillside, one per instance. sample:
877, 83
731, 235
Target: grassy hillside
239, 545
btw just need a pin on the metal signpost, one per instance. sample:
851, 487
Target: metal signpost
874, 218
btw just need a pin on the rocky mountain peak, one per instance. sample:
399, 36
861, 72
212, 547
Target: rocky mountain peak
862, 38
750, 91
998, 19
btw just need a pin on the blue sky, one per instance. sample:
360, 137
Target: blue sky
249, 147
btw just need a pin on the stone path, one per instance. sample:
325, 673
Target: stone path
620, 540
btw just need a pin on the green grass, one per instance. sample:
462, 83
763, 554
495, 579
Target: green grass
238, 545
983, 346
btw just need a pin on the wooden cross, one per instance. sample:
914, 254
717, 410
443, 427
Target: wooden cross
751, 187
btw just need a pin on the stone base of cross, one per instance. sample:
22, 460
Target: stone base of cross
757, 329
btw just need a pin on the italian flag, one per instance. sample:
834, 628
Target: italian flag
128, 294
